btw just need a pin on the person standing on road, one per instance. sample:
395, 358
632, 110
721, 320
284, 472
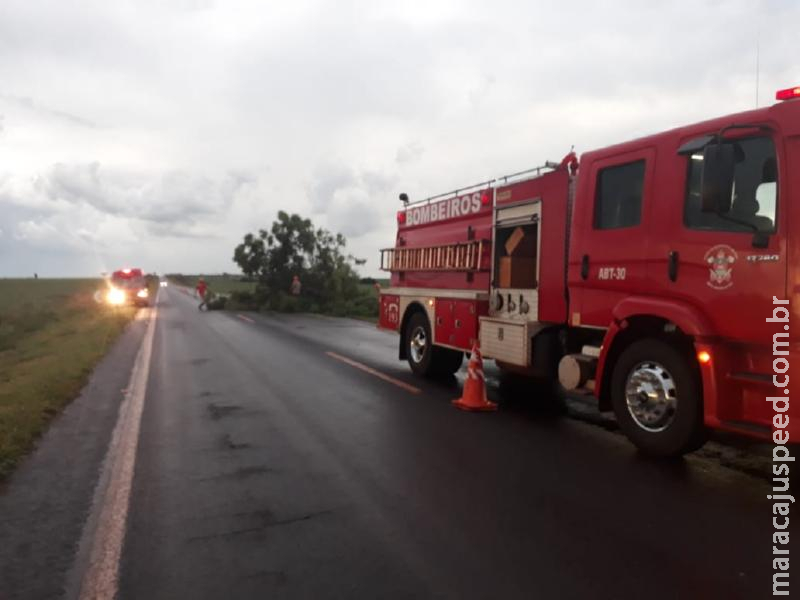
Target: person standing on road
202, 290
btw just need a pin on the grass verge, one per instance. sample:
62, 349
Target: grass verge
52, 334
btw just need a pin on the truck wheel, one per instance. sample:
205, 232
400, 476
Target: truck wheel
419, 344
423, 357
657, 399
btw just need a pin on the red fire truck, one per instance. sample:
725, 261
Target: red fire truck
128, 286
643, 274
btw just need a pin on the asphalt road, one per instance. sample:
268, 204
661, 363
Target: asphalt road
269, 468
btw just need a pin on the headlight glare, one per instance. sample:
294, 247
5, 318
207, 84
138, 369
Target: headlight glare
115, 296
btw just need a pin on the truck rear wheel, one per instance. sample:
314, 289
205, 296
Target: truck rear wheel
657, 399
423, 357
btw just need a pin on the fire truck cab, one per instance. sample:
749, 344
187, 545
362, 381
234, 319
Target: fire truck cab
644, 274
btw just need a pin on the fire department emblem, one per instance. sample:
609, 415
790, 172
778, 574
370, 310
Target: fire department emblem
720, 261
394, 312
391, 310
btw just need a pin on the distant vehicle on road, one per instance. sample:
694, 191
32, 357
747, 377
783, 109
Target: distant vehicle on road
128, 286
654, 274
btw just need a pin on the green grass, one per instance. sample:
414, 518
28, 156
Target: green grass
52, 333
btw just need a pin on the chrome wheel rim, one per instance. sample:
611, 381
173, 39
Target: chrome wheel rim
651, 396
419, 344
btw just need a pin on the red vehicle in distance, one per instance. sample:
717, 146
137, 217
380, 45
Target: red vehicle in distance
643, 274
128, 286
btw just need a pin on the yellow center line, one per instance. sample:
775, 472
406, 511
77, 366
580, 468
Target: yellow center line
401, 384
243, 318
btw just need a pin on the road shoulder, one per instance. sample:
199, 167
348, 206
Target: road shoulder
43, 505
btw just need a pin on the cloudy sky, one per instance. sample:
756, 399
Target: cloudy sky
158, 133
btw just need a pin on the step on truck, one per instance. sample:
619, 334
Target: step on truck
645, 273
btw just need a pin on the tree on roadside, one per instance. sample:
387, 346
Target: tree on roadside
293, 246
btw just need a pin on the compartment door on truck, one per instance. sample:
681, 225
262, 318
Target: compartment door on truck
610, 233
517, 243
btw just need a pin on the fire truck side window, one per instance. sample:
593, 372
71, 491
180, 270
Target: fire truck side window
755, 190
618, 201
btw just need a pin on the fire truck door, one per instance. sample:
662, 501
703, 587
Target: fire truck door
610, 235
714, 261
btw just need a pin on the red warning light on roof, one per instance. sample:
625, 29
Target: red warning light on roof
486, 198
401, 217
788, 94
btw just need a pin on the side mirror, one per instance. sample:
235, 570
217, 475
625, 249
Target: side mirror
717, 187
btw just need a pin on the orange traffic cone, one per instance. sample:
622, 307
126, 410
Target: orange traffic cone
473, 397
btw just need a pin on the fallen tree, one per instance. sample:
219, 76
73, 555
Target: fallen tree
293, 247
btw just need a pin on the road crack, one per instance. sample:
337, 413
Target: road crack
255, 529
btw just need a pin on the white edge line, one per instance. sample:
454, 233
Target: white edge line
112, 496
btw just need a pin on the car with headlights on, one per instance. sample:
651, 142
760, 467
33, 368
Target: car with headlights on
128, 286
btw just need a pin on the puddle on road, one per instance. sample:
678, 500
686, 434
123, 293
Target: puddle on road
275, 577
239, 474
228, 443
219, 411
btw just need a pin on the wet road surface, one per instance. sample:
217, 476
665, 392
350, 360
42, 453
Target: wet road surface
268, 468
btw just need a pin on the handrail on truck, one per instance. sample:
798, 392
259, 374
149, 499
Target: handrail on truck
502, 180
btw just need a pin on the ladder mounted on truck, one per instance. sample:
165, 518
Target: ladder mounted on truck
461, 256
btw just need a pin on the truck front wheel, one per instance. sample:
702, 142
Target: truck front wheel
424, 358
657, 398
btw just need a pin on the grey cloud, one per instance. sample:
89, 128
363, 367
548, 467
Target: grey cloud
409, 153
182, 230
327, 179
30, 104
349, 198
355, 215
169, 201
375, 182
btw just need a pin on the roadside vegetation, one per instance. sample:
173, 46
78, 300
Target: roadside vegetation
293, 247
52, 333
270, 259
